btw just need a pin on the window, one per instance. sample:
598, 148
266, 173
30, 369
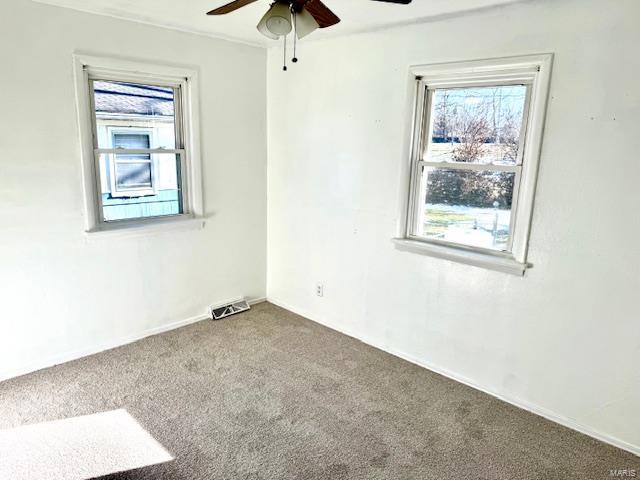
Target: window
140, 154
471, 165
132, 174
136, 133
475, 149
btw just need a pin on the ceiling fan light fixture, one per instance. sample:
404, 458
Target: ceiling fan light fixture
306, 16
277, 20
305, 24
262, 28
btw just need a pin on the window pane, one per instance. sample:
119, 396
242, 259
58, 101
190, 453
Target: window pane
131, 115
468, 207
131, 175
140, 188
131, 140
476, 125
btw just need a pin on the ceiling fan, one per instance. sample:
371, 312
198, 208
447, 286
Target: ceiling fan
283, 16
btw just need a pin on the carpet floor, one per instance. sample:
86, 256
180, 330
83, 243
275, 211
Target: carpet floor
270, 395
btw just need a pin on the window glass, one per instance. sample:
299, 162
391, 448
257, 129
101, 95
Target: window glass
133, 170
476, 125
468, 207
132, 106
133, 175
131, 140
140, 189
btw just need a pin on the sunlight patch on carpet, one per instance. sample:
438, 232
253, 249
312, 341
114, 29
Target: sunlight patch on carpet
78, 448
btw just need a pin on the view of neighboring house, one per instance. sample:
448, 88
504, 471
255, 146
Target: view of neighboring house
136, 117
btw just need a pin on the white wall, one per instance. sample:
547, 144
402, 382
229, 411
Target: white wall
62, 294
565, 339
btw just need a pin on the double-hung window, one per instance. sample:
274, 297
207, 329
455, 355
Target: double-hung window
132, 174
475, 149
140, 148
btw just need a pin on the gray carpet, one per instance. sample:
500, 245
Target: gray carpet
270, 395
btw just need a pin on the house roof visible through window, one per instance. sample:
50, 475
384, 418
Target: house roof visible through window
131, 98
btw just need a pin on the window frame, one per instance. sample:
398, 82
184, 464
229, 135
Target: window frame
185, 81
531, 70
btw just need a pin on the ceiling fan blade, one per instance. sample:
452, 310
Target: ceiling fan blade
230, 7
404, 2
321, 13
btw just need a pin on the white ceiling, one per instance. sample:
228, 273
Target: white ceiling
356, 15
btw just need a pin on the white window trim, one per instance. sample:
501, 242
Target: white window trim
137, 71
533, 69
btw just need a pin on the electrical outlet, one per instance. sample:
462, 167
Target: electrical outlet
319, 289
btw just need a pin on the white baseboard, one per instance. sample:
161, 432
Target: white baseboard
101, 347
255, 301
517, 402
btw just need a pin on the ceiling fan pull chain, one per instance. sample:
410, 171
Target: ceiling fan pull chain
295, 36
285, 53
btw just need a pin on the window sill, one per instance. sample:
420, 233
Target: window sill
145, 228
501, 263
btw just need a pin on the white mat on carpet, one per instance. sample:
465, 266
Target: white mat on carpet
78, 448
